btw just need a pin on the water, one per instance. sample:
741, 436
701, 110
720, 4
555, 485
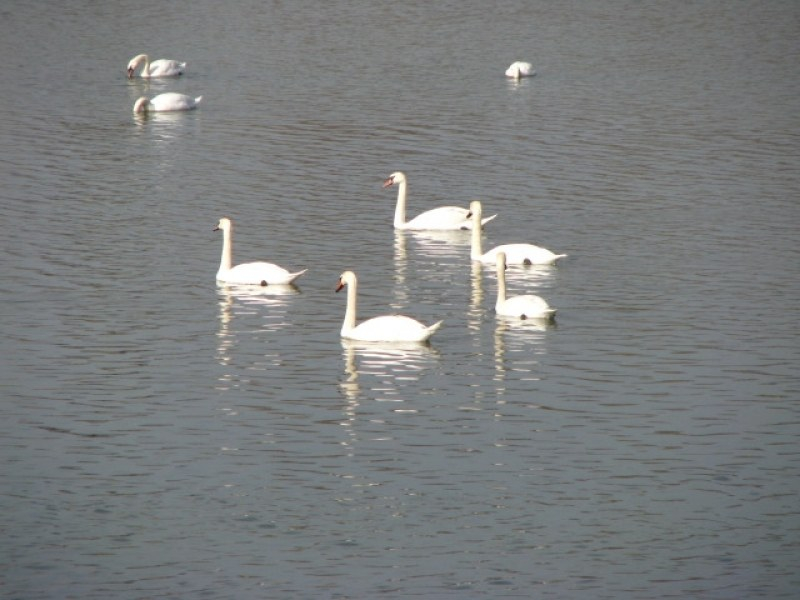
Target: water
165, 437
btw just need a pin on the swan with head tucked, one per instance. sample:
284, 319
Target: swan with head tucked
527, 306
253, 273
388, 328
442, 218
163, 67
516, 254
519, 69
169, 101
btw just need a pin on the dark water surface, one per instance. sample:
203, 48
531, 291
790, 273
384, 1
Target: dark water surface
166, 437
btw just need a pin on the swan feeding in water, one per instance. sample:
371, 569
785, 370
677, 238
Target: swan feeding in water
163, 67
170, 101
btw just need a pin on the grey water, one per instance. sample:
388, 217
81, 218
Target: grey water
164, 437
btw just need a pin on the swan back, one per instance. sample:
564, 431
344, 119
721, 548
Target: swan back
519, 69
169, 101
163, 67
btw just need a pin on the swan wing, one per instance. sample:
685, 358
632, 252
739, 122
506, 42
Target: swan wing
259, 273
392, 328
522, 254
164, 67
528, 306
444, 217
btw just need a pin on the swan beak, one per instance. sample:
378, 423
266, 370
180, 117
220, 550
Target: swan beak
339, 286
216, 228
130, 73
389, 182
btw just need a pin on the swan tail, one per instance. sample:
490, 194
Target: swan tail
198, 99
433, 328
487, 219
293, 276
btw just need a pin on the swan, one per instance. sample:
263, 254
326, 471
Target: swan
163, 67
516, 254
253, 273
527, 306
442, 218
519, 69
166, 102
389, 328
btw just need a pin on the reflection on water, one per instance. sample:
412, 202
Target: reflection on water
387, 367
517, 345
441, 243
258, 310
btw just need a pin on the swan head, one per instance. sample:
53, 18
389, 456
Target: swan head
134, 64
395, 178
142, 105
501, 261
475, 210
346, 278
223, 225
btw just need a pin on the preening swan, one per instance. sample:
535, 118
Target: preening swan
520, 69
442, 218
163, 67
390, 328
526, 306
516, 254
166, 102
253, 273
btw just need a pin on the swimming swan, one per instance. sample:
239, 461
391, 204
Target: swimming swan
520, 69
163, 67
526, 306
442, 218
253, 273
516, 254
166, 102
390, 328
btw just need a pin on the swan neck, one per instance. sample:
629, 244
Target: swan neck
476, 250
227, 250
400, 208
350, 312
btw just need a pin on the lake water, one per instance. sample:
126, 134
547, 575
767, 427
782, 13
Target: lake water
166, 437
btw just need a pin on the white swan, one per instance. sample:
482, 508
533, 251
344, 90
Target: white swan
163, 67
516, 254
442, 218
253, 273
166, 102
519, 69
389, 328
526, 306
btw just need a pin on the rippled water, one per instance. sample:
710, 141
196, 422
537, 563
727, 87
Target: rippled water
167, 437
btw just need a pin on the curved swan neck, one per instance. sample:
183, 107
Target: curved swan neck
350, 312
400, 208
476, 250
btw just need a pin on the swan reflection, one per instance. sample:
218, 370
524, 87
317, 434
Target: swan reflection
257, 309
517, 345
441, 243
387, 368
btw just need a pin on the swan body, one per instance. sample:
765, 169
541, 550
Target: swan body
528, 306
519, 69
389, 328
516, 254
169, 101
253, 273
163, 67
442, 218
